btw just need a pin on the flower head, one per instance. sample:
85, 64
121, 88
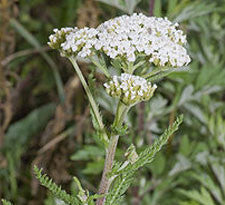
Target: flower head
127, 38
130, 89
138, 35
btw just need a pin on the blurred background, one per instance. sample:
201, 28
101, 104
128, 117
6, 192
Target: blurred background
44, 113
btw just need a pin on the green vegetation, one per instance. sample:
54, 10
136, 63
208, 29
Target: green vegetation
45, 120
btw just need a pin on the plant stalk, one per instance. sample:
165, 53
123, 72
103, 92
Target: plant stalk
121, 112
91, 99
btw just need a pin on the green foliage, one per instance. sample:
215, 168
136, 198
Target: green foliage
212, 191
124, 5
203, 197
56, 190
196, 9
100, 136
120, 186
94, 168
82, 197
21, 131
16, 140
193, 162
93, 153
189, 203
88, 152
34, 42
5, 202
149, 153
125, 176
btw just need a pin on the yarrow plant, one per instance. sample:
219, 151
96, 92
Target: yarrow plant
139, 49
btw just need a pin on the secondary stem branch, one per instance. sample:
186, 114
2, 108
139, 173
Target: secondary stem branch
90, 97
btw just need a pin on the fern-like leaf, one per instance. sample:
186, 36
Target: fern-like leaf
124, 177
56, 190
121, 184
149, 153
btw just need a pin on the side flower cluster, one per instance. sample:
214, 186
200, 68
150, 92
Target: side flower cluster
59, 37
127, 38
73, 41
130, 89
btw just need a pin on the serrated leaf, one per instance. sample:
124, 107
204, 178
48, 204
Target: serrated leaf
56, 190
149, 153
124, 176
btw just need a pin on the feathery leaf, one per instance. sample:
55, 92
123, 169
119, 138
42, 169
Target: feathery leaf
56, 190
124, 176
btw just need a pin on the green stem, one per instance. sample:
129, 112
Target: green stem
154, 72
137, 65
101, 67
160, 75
121, 112
90, 97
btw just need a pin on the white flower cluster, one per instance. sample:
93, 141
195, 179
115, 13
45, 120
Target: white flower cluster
80, 42
130, 36
130, 89
127, 37
74, 41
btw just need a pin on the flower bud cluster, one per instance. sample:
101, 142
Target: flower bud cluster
127, 37
130, 89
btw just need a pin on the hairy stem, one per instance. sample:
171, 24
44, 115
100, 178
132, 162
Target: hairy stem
110, 152
90, 97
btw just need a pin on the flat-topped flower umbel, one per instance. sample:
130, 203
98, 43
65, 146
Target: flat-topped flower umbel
157, 40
